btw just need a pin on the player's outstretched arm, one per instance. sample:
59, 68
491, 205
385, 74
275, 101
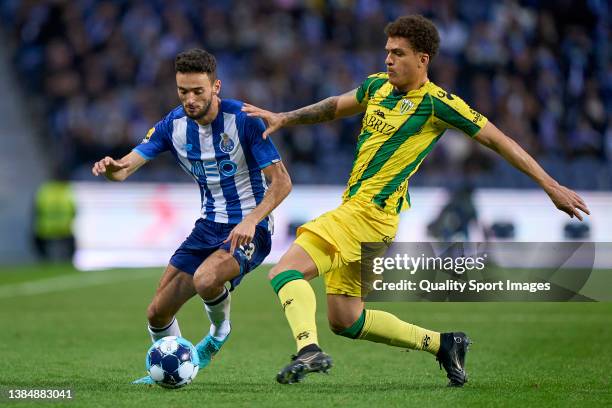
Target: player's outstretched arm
334, 107
118, 170
564, 199
279, 188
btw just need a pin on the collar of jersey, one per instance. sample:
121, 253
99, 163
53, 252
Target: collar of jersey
397, 93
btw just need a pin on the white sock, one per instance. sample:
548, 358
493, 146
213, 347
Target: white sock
218, 311
171, 329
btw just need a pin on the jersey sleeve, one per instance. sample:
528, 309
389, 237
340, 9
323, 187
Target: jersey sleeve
156, 141
453, 112
369, 87
263, 150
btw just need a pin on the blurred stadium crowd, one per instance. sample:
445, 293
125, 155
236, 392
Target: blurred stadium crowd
99, 74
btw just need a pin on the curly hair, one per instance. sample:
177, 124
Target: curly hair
420, 32
196, 60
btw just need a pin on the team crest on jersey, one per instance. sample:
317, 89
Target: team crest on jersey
406, 105
148, 136
226, 145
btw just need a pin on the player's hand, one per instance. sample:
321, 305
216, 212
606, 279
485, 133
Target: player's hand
108, 166
567, 201
242, 234
274, 121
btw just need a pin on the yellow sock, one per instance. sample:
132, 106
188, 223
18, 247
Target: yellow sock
383, 327
300, 305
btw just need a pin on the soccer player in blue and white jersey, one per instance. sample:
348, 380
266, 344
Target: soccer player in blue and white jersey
222, 149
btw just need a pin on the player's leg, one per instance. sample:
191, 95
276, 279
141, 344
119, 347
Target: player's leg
174, 289
349, 318
209, 280
289, 278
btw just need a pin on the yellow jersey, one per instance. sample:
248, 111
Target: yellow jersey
398, 131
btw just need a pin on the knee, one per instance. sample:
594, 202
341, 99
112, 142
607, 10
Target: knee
151, 313
156, 316
206, 281
347, 323
339, 324
275, 270
280, 268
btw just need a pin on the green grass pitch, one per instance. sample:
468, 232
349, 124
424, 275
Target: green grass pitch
86, 331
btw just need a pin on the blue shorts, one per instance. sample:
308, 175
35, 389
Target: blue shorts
208, 236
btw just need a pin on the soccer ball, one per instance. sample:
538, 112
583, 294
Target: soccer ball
172, 362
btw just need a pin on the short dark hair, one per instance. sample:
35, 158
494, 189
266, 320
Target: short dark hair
418, 30
196, 60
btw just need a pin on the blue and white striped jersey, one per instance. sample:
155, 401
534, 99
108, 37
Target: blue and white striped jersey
224, 157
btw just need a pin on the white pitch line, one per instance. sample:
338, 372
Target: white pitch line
60, 283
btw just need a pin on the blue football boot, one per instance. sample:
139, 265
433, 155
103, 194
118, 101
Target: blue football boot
144, 380
208, 348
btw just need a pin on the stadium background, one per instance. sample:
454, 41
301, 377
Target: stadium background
99, 73
87, 78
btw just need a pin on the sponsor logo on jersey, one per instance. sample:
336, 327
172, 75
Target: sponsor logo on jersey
197, 169
227, 168
373, 121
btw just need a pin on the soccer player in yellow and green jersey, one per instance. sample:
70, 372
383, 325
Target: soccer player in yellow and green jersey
404, 116
399, 130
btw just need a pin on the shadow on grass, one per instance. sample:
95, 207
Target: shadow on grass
326, 388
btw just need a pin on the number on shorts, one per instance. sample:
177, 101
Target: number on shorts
248, 250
